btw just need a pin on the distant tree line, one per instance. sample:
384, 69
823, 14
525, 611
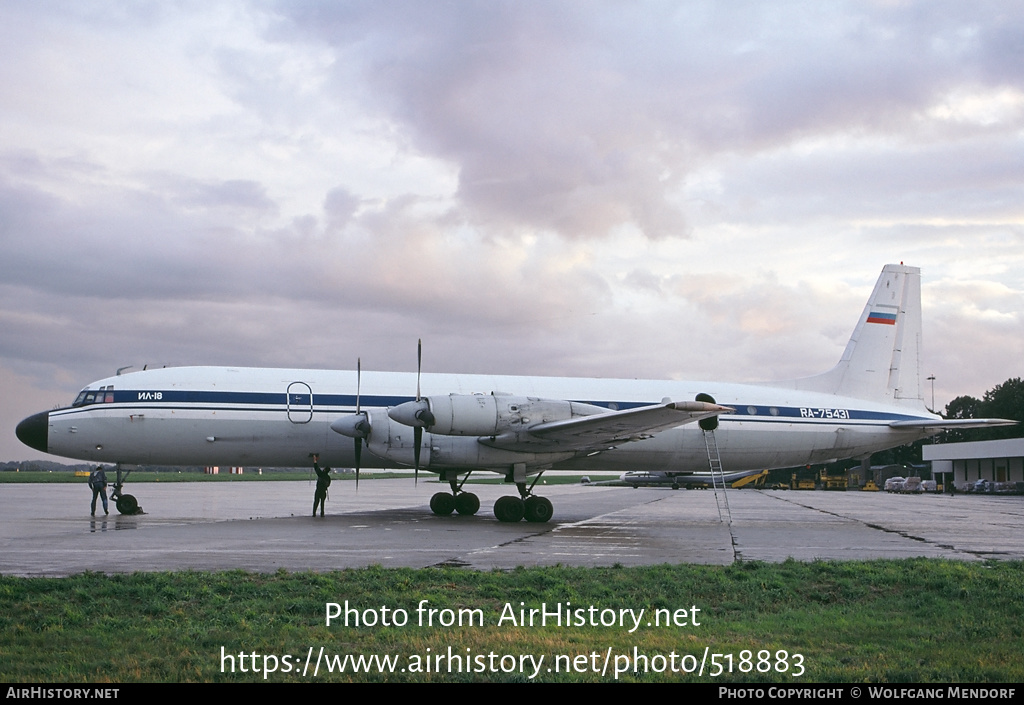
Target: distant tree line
1004, 401
53, 466
41, 466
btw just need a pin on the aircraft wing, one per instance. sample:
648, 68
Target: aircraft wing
945, 424
602, 431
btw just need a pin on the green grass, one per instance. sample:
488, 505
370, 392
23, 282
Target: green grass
873, 621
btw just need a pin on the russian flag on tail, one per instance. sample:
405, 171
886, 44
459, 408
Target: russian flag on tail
888, 319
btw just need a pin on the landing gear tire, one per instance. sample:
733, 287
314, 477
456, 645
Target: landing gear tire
442, 504
538, 509
467, 503
127, 504
509, 509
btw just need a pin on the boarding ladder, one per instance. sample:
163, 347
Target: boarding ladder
717, 475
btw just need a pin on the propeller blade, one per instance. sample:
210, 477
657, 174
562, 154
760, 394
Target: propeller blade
419, 366
359, 453
359, 441
417, 439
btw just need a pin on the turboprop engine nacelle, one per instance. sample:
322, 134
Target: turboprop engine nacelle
385, 438
485, 415
353, 426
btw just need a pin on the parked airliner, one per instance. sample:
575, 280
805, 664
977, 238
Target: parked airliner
518, 427
675, 480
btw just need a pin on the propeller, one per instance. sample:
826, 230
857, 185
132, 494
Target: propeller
416, 413
417, 431
356, 426
359, 424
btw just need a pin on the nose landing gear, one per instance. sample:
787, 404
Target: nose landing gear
125, 503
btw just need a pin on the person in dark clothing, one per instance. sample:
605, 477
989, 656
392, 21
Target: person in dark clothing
98, 485
323, 481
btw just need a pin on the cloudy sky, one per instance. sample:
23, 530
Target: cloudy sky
691, 190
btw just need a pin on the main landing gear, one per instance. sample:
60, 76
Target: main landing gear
509, 509
529, 506
534, 509
465, 503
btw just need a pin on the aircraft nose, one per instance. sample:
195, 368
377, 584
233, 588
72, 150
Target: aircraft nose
33, 431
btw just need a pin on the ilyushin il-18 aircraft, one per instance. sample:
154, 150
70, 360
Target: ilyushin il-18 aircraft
518, 427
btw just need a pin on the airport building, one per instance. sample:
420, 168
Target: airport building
966, 463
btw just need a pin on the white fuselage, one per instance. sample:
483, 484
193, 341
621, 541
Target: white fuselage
279, 417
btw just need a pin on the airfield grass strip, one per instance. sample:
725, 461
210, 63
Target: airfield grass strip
913, 620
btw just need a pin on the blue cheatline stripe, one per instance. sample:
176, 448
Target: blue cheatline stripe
326, 403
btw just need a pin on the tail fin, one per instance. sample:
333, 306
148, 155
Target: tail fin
882, 361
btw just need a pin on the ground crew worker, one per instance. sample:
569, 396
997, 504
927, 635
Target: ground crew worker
98, 485
323, 481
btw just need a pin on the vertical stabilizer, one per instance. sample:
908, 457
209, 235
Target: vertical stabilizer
882, 361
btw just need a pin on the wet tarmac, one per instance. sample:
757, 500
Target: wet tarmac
46, 530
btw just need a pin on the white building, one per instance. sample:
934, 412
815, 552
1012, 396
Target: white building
995, 461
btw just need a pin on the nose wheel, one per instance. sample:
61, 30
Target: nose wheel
125, 503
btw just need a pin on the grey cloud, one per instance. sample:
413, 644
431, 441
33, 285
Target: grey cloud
580, 121
976, 178
339, 207
500, 90
235, 194
135, 276
121, 243
969, 356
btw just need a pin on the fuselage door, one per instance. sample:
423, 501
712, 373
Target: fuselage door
299, 402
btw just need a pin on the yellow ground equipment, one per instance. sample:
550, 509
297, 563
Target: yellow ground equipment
833, 482
753, 481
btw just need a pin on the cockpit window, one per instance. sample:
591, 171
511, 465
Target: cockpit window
100, 396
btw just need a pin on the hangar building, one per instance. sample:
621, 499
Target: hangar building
966, 463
